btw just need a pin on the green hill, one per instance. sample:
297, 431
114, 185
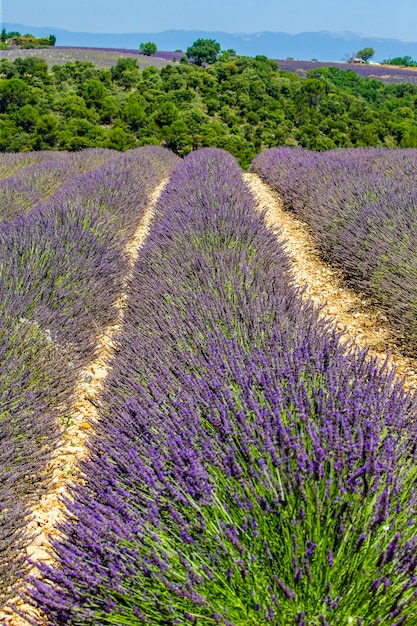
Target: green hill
241, 104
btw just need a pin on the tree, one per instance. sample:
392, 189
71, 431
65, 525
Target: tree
405, 61
93, 92
148, 49
52, 40
15, 93
313, 90
126, 72
133, 113
365, 54
204, 51
3, 35
226, 55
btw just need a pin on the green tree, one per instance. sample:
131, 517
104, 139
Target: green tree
119, 139
166, 114
226, 55
133, 113
3, 35
26, 117
126, 72
148, 49
313, 90
203, 51
124, 64
14, 92
365, 54
52, 40
46, 132
93, 92
109, 110
406, 61
73, 107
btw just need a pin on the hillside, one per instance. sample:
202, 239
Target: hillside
241, 104
108, 57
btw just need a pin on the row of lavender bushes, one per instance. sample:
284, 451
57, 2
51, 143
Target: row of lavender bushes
10, 164
61, 269
35, 183
245, 470
361, 206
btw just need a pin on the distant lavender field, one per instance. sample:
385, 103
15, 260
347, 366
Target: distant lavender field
101, 57
105, 57
381, 72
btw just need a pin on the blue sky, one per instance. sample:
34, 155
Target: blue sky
381, 18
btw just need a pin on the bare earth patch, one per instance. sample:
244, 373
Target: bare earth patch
49, 510
362, 323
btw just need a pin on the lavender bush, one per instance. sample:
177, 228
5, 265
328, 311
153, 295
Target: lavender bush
22, 192
245, 469
10, 164
361, 207
61, 269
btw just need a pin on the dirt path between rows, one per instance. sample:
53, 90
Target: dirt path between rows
362, 324
49, 510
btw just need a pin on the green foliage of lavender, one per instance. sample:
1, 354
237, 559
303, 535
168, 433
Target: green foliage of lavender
21, 192
10, 164
61, 269
362, 208
246, 470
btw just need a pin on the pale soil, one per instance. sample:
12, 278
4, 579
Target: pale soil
49, 510
363, 324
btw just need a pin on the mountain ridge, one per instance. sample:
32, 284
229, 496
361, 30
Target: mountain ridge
321, 45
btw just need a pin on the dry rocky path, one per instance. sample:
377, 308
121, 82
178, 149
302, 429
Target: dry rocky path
49, 510
363, 325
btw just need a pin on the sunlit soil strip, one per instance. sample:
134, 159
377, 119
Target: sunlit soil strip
364, 326
49, 510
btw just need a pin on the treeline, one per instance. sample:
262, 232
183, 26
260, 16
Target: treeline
241, 104
14, 38
406, 61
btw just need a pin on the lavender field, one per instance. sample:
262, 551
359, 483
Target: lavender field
384, 73
361, 206
246, 467
101, 57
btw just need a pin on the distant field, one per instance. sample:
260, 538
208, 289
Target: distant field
386, 73
101, 57
107, 57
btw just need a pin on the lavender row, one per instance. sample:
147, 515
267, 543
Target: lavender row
361, 207
244, 470
61, 270
10, 163
20, 193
